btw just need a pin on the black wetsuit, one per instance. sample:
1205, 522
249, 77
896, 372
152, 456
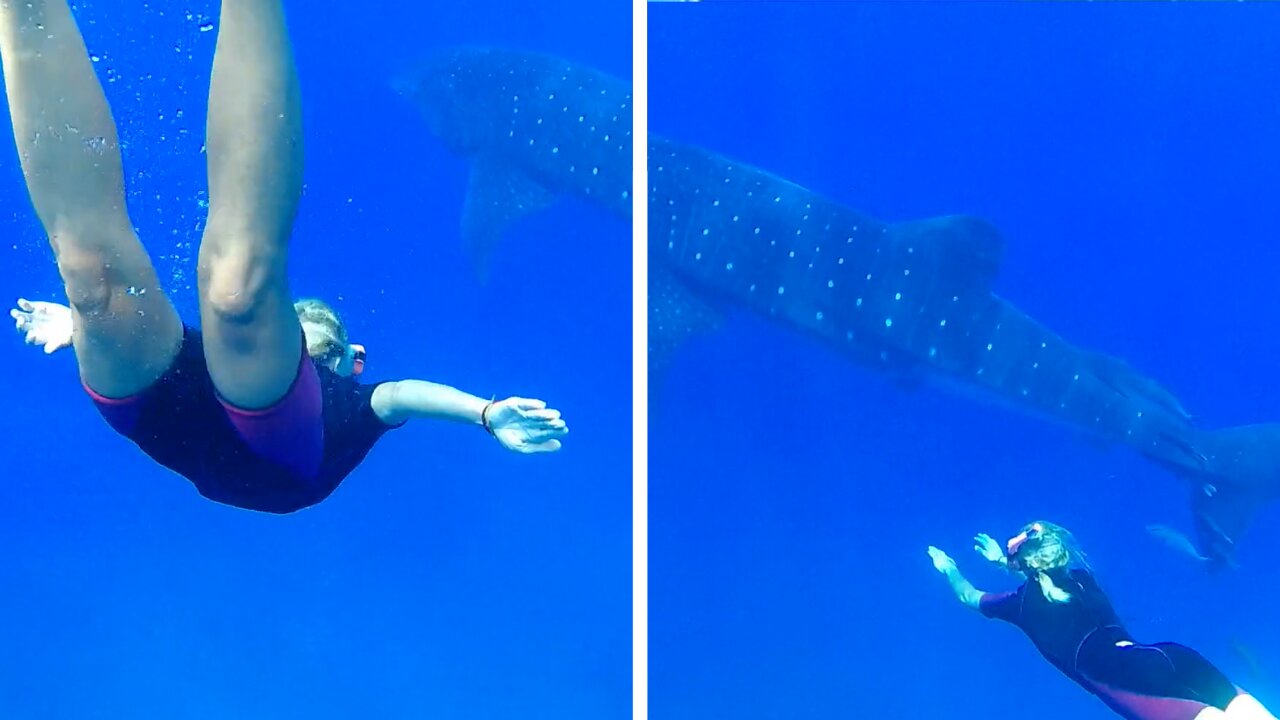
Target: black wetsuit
1085, 639
182, 424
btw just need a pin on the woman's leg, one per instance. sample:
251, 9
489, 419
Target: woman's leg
252, 339
1164, 681
1201, 677
126, 330
1246, 707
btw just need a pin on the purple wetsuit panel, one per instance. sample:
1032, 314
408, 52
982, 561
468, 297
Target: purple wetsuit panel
1001, 605
120, 413
291, 432
1137, 706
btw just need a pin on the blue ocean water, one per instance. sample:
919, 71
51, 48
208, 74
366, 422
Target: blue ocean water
446, 578
1129, 155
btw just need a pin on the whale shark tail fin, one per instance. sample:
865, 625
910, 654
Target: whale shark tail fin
1242, 474
497, 195
1222, 513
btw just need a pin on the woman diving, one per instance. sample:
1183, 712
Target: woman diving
1071, 622
260, 408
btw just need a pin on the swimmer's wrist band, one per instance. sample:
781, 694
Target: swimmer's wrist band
484, 418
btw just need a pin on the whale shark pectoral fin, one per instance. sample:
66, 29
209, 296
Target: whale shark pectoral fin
959, 242
497, 195
675, 314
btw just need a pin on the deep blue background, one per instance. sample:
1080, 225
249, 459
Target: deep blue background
1130, 155
446, 578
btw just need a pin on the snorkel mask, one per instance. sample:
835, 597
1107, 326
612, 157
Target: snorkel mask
1033, 532
350, 363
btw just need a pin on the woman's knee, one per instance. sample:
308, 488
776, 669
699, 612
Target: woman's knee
239, 284
102, 265
87, 277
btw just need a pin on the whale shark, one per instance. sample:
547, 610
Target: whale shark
914, 300
534, 127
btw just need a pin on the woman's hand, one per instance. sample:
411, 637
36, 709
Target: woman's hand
941, 561
988, 548
45, 323
524, 425
964, 590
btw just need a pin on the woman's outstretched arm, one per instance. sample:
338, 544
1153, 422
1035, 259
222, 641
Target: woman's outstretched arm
520, 424
964, 590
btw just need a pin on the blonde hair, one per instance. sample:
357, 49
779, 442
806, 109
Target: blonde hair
1053, 548
325, 333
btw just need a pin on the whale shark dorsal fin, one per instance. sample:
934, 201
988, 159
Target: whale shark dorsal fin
961, 242
497, 195
675, 315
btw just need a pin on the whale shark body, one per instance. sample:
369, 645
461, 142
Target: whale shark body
912, 299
